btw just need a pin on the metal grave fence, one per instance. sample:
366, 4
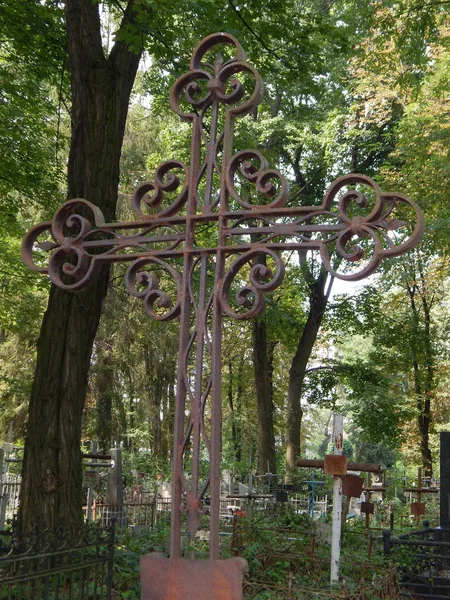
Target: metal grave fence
133, 513
424, 562
9, 496
51, 565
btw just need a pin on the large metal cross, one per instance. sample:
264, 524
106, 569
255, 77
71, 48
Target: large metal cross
210, 239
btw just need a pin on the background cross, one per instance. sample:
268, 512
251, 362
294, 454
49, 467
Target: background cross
211, 238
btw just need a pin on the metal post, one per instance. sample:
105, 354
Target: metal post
3, 504
109, 575
250, 495
338, 434
312, 495
419, 493
90, 493
387, 541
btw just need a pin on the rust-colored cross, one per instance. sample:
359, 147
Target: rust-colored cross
211, 238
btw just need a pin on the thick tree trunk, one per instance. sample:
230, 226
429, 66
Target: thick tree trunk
51, 488
266, 435
317, 301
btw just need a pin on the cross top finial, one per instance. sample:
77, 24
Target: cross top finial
218, 78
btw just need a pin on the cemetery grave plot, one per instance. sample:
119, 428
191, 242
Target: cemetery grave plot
289, 552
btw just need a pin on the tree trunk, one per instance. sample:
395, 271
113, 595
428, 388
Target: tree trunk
423, 384
128, 439
317, 302
235, 428
429, 378
104, 400
100, 87
169, 413
156, 415
266, 435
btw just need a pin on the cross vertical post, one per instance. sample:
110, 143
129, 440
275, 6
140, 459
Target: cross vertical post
336, 524
192, 247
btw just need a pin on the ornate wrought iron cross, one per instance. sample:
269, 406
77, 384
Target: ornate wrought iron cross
210, 239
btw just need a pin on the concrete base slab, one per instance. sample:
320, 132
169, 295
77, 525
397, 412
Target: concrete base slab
188, 579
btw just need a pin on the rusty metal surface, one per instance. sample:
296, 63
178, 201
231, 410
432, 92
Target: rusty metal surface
430, 490
367, 508
352, 485
192, 245
335, 464
188, 579
417, 508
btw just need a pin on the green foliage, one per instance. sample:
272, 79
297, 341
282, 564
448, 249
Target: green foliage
127, 554
33, 73
358, 85
277, 548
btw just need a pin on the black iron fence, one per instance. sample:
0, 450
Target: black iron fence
51, 565
424, 559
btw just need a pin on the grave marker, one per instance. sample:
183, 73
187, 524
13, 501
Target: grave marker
215, 248
417, 508
337, 465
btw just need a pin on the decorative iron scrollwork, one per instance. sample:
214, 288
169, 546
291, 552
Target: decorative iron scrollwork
260, 175
377, 227
158, 303
262, 278
165, 181
246, 203
217, 77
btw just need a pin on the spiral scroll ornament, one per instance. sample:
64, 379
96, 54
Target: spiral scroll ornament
263, 279
70, 265
159, 304
379, 230
151, 193
254, 168
206, 83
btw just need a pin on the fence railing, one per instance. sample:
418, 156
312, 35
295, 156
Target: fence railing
132, 514
50, 565
9, 496
424, 560
151, 509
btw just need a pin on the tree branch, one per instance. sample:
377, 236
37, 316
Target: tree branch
258, 37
